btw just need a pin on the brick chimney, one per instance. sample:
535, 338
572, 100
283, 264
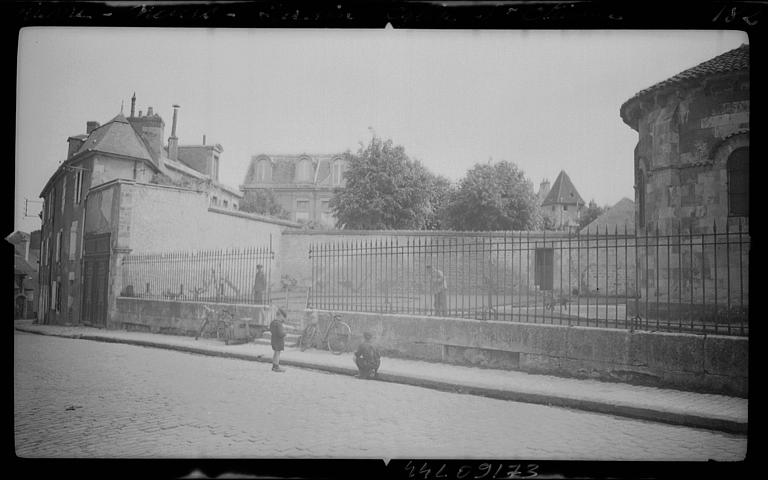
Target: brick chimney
173, 140
152, 128
91, 126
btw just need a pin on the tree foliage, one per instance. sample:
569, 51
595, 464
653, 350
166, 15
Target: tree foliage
494, 197
384, 190
263, 202
591, 213
440, 192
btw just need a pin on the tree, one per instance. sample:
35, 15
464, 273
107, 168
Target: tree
440, 192
547, 223
494, 197
591, 213
263, 202
384, 190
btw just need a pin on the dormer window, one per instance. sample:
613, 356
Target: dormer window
304, 171
337, 172
263, 171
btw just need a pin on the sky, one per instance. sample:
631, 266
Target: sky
545, 100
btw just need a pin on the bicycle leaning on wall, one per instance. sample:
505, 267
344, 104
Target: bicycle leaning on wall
216, 325
336, 335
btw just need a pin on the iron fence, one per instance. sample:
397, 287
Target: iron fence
220, 275
681, 282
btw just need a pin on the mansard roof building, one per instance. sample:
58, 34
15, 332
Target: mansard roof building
302, 184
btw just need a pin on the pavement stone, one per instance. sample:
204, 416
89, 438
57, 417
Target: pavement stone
710, 411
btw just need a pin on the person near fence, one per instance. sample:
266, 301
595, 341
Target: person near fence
439, 289
277, 338
259, 285
367, 358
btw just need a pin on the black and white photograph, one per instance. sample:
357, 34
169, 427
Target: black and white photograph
390, 243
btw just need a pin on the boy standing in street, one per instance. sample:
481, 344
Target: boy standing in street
277, 333
367, 358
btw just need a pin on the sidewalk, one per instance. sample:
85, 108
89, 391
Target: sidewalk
709, 411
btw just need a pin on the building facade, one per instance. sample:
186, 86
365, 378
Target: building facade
561, 205
72, 258
691, 166
692, 156
26, 248
302, 184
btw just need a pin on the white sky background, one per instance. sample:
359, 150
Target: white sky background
545, 100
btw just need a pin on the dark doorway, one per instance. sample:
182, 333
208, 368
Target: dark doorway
544, 277
95, 279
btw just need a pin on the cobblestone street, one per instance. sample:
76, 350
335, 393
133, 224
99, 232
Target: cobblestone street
78, 398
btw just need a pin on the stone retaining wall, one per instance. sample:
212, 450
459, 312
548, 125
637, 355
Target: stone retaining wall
708, 363
181, 318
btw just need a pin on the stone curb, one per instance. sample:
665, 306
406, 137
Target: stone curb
655, 415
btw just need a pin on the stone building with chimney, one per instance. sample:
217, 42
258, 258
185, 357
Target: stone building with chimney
302, 184
561, 204
87, 199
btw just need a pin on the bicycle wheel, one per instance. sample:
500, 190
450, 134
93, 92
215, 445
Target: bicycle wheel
307, 337
338, 337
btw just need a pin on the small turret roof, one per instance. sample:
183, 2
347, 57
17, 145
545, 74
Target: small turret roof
563, 192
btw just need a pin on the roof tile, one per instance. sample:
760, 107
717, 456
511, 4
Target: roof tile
730, 61
118, 137
563, 191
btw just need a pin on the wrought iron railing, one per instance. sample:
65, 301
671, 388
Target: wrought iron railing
683, 282
221, 275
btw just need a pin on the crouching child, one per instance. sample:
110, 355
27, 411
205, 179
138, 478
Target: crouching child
367, 358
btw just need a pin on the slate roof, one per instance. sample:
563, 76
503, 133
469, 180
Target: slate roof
183, 168
563, 192
17, 237
117, 137
189, 171
619, 215
284, 168
731, 61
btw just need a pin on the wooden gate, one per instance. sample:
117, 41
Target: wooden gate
95, 279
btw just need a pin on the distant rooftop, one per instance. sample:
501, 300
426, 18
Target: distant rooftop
563, 192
